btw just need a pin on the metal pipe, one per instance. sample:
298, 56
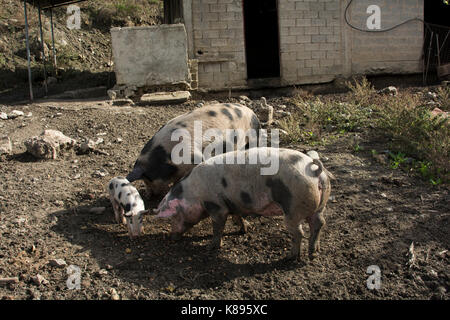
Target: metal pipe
43, 49
53, 43
28, 50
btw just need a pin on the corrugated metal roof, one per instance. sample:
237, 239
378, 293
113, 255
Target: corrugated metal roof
45, 4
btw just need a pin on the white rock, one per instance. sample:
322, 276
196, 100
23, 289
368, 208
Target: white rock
313, 154
15, 114
38, 279
3, 116
112, 94
114, 294
48, 144
389, 90
60, 263
77, 176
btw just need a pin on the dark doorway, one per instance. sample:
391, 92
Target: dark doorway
437, 12
261, 39
437, 34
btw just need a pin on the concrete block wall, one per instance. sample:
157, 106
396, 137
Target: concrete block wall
218, 40
150, 56
316, 45
396, 51
310, 40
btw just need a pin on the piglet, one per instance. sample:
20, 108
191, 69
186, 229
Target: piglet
128, 205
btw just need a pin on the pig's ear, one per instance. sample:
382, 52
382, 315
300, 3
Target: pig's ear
136, 174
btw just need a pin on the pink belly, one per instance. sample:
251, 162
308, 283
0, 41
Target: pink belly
272, 209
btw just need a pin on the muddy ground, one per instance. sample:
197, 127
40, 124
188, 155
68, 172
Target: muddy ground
374, 216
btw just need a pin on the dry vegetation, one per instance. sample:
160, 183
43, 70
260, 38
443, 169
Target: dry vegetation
417, 140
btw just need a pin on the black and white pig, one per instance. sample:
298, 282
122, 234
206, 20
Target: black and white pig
128, 205
299, 191
154, 164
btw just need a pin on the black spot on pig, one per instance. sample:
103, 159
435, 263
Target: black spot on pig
224, 182
238, 112
176, 192
245, 197
127, 207
294, 158
120, 195
147, 146
231, 206
211, 206
111, 186
124, 184
227, 113
212, 113
181, 124
280, 193
255, 124
158, 166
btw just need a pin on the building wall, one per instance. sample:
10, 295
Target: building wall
316, 45
218, 31
396, 51
148, 56
310, 40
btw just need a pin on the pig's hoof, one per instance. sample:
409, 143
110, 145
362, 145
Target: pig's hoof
214, 246
175, 236
313, 255
244, 227
292, 257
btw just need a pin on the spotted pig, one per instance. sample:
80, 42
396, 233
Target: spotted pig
154, 164
298, 191
128, 205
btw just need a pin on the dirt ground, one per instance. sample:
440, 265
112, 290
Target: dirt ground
374, 216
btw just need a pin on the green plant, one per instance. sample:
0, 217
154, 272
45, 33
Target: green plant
357, 148
124, 8
397, 159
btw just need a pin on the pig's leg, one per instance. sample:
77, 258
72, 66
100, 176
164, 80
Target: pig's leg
219, 218
148, 189
118, 210
240, 221
180, 225
294, 227
316, 222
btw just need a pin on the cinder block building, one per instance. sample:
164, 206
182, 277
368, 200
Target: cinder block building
248, 43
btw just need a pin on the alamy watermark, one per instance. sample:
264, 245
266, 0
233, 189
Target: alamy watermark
374, 20
374, 280
74, 279
74, 19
